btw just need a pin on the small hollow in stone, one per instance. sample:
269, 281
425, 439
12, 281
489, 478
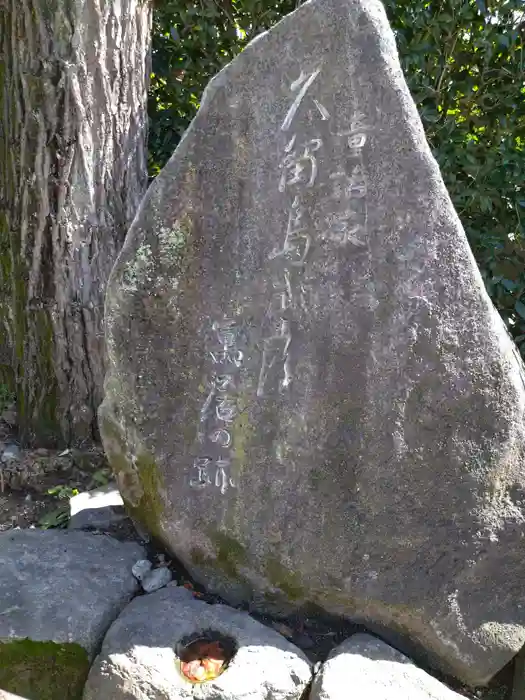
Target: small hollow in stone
204, 655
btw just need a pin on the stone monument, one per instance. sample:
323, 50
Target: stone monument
311, 399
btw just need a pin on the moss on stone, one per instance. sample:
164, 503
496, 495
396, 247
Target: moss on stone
231, 557
150, 509
43, 670
198, 557
281, 578
224, 568
231, 554
138, 476
116, 452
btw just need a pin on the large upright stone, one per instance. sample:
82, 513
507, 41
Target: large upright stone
310, 395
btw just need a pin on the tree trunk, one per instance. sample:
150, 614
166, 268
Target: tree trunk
73, 116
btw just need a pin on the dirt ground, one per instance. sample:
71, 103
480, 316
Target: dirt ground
35, 487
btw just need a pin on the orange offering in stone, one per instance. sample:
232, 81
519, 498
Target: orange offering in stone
203, 661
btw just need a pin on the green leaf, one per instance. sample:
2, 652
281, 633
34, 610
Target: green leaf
56, 518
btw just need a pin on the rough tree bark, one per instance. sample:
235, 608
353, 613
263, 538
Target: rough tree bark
73, 99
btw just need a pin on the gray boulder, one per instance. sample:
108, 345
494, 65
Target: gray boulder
141, 568
311, 398
59, 592
139, 657
518, 686
365, 668
155, 579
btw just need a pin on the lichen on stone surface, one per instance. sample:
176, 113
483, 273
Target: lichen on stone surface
173, 242
43, 670
140, 268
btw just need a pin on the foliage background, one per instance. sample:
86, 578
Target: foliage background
464, 61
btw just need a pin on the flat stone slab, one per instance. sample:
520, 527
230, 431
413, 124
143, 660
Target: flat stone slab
59, 592
98, 508
369, 669
310, 397
139, 655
